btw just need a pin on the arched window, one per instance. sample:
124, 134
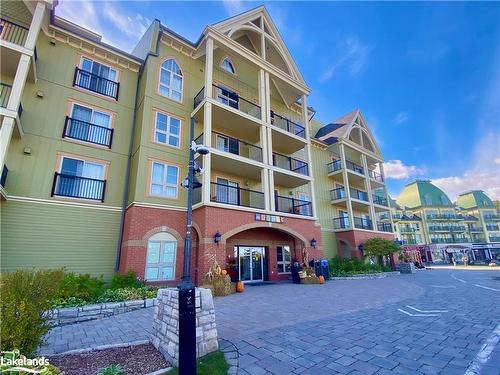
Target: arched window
160, 258
227, 65
170, 80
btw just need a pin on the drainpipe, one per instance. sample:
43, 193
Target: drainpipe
130, 148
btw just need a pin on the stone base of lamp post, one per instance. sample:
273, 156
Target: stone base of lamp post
165, 335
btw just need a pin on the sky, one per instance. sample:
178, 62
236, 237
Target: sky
425, 75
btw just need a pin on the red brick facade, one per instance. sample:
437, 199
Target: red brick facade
354, 238
236, 227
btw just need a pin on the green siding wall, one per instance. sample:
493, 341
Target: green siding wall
84, 240
329, 244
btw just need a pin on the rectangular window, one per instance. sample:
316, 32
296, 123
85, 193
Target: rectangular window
227, 191
97, 77
160, 261
89, 125
164, 180
227, 96
167, 130
98, 69
283, 260
227, 144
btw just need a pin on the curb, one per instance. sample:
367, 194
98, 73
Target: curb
367, 276
102, 347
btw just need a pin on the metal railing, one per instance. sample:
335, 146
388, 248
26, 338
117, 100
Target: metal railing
444, 217
375, 176
450, 240
362, 223
407, 230
13, 32
494, 239
379, 200
290, 164
338, 193
236, 196
287, 125
358, 194
492, 227
236, 146
199, 98
65, 185
293, 205
354, 167
491, 217
476, 238
234, 100
475, 228
96, 83
439, 228
334, 166
341, 223
3, 177
409, 241
384, 227
5, 90
88, 132
457, 228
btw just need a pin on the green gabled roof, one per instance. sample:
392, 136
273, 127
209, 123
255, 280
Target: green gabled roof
474, 199
421, 193
393, 204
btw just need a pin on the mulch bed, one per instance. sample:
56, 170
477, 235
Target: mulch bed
135, 360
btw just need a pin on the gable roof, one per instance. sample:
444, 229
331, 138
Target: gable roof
337, 129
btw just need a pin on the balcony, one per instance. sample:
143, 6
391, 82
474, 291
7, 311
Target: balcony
475, 229
407, 230
5, 91
409, 241
375, 176
3, 177
439, 228
12, 43
95, 83
338, 193
352, 166
381, 201
491, 217
78, 187
444, 217
236, 196
341, 223
492, 227
358, 194
290, 164
87, 132
13, 33
450, 240
287, 125
494, 238
457, 228
334, 166
478, 239
362, 223
293, 206
384, 227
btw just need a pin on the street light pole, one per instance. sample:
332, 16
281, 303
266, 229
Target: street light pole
187, 307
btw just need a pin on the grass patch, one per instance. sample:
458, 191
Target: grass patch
211, 364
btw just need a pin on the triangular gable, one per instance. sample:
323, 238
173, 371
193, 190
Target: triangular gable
259, 21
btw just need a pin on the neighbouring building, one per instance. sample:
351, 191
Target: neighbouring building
425, 220
95, 143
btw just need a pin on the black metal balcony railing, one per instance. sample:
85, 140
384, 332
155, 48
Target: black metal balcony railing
384, 227
381, 201
338, 193
444, 217
234, 100
290, 164
287, 125
457, 228
450, 240
13, 32
78, 187
3, 178
5, 90
236, 146
199, 97
492, 227
358, 194
495, 239
407, 229
88, 132
341, 223
293, 205
375, 176
475, 228
491, 217
355, 167
362, 223
236, 196
96, 83
439, 228
334, 166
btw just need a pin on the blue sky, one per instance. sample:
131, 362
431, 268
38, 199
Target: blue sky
425, 75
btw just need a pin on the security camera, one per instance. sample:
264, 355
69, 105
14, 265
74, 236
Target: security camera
200, 149
185, 183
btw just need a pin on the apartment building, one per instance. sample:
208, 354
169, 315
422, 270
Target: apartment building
426, 220
92, 177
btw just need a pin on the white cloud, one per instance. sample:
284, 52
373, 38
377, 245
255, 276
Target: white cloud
497, 161
83, 13
355, 55
470, 180
233, 7
132, 26
400, 118
397, 170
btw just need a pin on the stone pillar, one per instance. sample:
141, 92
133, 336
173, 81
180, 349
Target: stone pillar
165, 335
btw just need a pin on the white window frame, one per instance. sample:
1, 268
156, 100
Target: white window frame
283, 262
167, 133
230, 61
85, 161
172, 74
164, 183
101, 64
93, 111
162, 238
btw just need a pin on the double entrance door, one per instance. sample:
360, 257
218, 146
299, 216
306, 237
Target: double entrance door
251, 263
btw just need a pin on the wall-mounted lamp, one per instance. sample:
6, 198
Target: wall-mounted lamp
217, 237
314, 243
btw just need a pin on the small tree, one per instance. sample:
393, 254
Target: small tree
380, 247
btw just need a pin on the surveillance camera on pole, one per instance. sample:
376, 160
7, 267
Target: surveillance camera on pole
199, 149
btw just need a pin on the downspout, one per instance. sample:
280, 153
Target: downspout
130, 149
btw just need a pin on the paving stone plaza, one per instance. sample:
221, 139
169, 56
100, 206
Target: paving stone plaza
432, 322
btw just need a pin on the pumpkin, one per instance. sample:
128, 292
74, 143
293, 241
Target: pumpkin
240, 287
321, 279
224, 272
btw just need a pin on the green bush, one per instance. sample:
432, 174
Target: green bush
26, 295
112, 370
125, 281
69, 302
353, 266
124, 294
81, 286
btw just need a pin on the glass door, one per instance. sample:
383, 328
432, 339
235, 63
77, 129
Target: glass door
250, 263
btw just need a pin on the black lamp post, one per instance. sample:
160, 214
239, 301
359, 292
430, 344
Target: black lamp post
187, 307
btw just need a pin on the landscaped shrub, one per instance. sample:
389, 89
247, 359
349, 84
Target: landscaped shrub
26, 295
69, 302
112, 370
81, 286
125, 281
124, 294
353, 266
